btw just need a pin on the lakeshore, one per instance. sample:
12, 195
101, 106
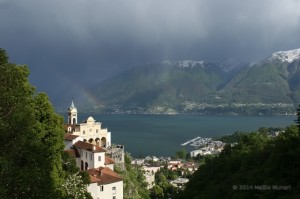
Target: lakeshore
162, 135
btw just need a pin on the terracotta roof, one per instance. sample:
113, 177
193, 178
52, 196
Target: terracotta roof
70, 137
103, 175
109, 161
88, 147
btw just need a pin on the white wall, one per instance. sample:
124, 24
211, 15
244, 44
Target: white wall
69, 144
195, 153
107, 192
93, 162
96, 162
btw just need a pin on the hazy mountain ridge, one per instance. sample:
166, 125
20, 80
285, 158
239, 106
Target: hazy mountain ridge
271, 86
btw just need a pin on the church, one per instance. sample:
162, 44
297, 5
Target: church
90, 145
89, 130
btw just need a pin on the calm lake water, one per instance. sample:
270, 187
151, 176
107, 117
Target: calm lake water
161, 135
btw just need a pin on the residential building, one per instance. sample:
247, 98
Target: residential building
90, 146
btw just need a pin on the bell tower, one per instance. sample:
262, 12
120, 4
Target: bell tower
72, 114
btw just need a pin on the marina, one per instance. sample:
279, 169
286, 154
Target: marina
192, 140
197, 142
202, 142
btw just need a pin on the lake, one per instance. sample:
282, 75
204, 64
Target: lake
161, 135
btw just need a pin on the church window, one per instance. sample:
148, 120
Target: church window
99, 158
101, 188
91, 156
85, 154
83, 132
96, 130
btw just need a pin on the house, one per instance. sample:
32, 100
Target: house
149, 173
92, 159
91, 132
105, 183
92, 155
70, 140
195, 153
180, 182
138, 161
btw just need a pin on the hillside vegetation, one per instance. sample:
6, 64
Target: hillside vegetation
32, 163
268, 87
259, 166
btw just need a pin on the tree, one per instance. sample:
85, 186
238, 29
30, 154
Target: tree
75, 181
134, 182
31, 136
157, 192
181, 154
256, 160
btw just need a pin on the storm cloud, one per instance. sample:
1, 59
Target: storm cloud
81, 42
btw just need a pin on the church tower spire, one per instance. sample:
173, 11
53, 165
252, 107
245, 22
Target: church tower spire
72, 114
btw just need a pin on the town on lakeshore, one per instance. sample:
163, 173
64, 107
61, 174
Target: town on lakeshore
92, 148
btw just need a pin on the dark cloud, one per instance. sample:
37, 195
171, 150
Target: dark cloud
85, 41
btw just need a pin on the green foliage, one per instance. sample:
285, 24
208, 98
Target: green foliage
231, 138
163, 188
134, 184
157, 192
73, 187
3, 57
182, 154
257, 160
31, 153
31, 136
75, 181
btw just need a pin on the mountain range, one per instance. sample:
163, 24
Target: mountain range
271, 86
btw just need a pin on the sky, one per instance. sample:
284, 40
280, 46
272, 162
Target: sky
70, 45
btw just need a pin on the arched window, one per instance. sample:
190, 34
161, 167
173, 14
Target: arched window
103, 142
81, 165
97, 140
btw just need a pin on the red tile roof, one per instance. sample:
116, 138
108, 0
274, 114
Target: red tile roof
103, 175
70, 137
109, 161
88, 147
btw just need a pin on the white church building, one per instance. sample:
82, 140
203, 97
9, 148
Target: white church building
89, 130
90, 145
